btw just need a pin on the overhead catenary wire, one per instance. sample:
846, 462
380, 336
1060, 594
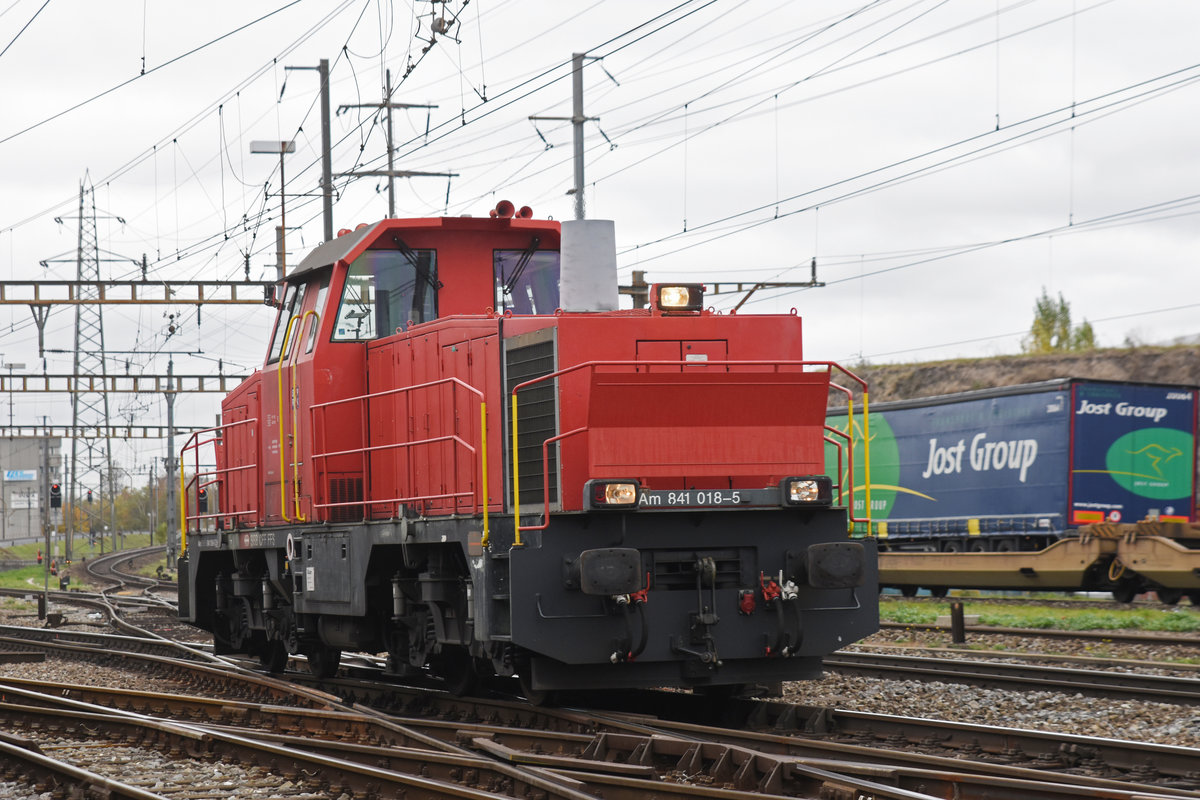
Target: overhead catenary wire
1181, 77
164, 65
505, 166
24, 27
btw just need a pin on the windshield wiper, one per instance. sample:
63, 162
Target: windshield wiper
415, 261
522, 263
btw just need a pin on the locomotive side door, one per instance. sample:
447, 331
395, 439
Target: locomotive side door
283, 376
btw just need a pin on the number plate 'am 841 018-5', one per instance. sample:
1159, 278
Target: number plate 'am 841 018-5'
707, 498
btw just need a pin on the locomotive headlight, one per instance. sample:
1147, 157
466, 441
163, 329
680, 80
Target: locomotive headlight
679, 297
809, 490
612, 494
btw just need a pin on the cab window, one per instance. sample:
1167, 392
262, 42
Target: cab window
287, 310
526, 281
319, 307
386, 290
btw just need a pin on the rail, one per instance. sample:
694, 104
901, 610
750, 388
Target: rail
202, 479
477, 453
775, 366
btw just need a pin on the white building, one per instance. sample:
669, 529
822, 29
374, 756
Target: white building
22, 487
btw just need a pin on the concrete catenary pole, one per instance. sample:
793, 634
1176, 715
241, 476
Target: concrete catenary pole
577, 120
172, 528
326, 152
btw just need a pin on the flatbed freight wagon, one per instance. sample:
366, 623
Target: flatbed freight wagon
1021, 467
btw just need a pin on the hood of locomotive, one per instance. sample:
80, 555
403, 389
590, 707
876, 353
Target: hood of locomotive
689, 535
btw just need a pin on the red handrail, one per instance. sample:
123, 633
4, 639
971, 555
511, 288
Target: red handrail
211, 477
460, 445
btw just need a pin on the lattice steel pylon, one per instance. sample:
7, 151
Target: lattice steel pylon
88, 408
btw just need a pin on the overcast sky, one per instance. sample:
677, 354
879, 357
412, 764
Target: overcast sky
943, 161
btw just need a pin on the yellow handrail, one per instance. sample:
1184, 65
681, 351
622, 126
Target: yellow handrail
516, 475
866, 457
295, 429
484, 469
287, 335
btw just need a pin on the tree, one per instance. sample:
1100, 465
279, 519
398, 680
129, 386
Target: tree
1051, 331
1084, 338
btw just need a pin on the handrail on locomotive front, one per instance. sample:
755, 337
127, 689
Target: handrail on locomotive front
194, 444
365, 451
849, 437
829, 366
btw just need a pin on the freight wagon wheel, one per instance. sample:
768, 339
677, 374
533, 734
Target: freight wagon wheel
1169, 596
323, 660
1124, 594
273, 656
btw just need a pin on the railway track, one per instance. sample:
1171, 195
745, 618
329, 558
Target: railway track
1132, 637
114, 569
1064, 600
360, 729
459, 747
1001, 675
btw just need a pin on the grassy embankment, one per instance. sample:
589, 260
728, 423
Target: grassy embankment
1180, 619
34, 577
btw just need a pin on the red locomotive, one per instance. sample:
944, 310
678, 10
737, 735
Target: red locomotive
459, 452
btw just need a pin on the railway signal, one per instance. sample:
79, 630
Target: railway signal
55, 495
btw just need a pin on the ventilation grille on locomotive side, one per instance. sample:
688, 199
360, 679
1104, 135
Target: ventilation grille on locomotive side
536, 417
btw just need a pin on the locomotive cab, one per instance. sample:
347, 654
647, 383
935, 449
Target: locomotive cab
459, 452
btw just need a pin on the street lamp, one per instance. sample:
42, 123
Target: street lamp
281, 147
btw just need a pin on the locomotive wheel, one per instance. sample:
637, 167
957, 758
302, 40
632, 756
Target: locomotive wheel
1169, 596
323, 660
456, 667
978, 546
237, 628
722, 693
536, 697
273, 656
